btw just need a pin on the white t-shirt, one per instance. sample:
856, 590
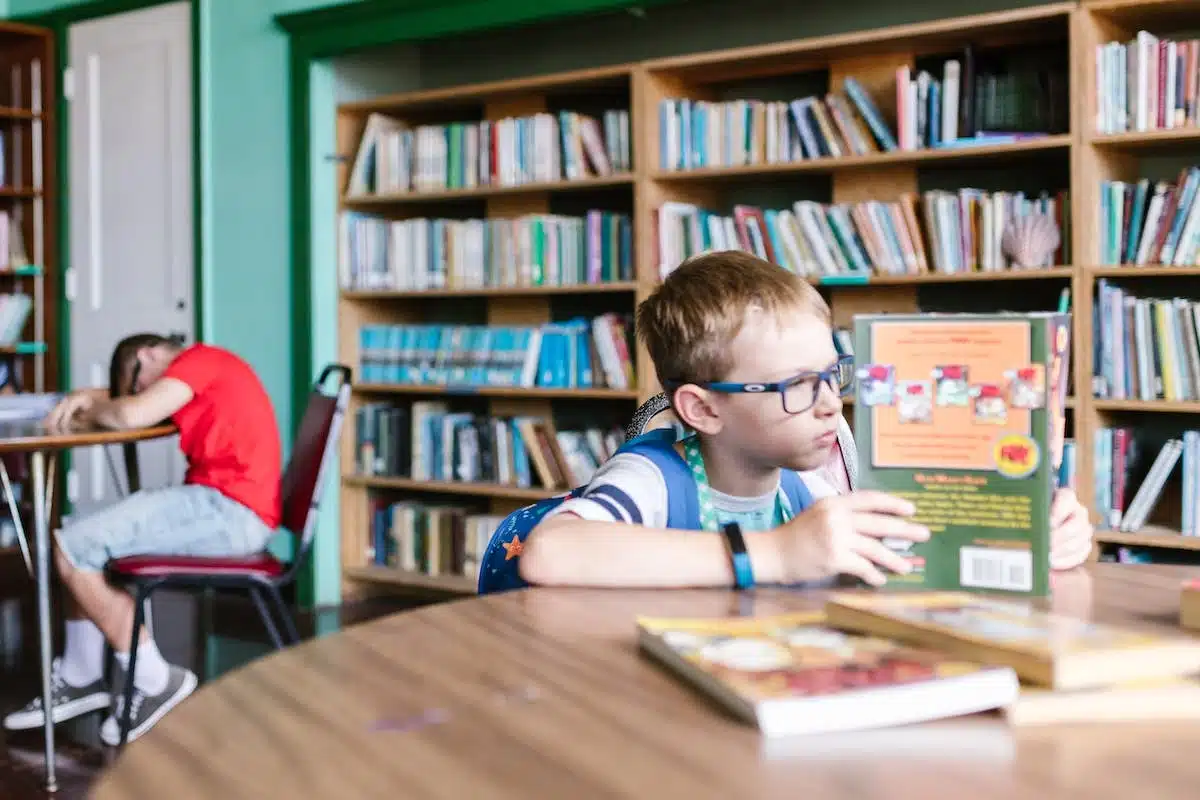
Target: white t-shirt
630, 488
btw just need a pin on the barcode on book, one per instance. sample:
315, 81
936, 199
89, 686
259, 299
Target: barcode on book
1008, 570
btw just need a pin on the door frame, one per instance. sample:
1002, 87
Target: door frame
60, 21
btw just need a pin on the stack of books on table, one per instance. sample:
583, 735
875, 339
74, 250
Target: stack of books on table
871, 660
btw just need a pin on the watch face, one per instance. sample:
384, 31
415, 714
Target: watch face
733, 532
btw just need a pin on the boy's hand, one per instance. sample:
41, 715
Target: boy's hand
1070, 531
66, 412
842, 535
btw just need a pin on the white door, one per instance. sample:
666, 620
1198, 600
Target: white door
130, 102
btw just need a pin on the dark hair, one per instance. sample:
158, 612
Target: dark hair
125, 354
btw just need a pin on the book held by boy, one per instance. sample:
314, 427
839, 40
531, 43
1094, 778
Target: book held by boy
964, 415
1045, 649
791, 674
1189, 605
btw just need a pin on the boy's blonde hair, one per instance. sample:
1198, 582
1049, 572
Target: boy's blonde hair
689, 322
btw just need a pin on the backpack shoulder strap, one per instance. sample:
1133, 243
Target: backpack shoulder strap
798, 495
683, 505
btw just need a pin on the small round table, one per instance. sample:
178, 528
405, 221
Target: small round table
543, 693
41, 445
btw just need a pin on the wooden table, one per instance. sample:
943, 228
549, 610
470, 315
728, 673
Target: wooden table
42, 446
542, 693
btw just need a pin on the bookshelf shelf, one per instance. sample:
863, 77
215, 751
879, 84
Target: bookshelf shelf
958, 155
1144, 272
449, 487
1150, 536
614, 287
1170, 137
1152, 406
484, 192
497, 391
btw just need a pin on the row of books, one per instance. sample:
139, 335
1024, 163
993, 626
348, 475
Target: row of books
968, 108
576, 354
697, 133
1121, 465
1143, 225
434, 540
427, 441
870, 660
1145, 348
937, 231
530, 250
393, 157
1147, 83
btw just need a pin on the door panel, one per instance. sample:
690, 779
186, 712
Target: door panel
131, 211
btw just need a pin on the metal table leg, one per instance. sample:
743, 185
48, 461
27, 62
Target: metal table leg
41, 532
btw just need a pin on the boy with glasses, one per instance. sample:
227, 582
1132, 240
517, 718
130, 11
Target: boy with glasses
746, 354
228, 505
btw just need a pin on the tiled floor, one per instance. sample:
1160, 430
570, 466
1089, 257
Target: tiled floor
79, 758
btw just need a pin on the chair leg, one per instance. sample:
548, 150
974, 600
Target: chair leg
139, 616
289, 624
265, 613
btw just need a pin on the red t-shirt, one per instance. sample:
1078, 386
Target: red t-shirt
228, 431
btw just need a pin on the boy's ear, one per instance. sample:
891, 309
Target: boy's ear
695, 409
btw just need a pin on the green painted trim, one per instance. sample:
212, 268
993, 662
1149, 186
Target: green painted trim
325, 33
342, 29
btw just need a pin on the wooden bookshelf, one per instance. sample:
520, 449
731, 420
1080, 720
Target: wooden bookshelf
28, 202
872, 57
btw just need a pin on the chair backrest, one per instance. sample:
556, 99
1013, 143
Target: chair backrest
312, 454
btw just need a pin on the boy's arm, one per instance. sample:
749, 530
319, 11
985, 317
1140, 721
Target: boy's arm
566, 550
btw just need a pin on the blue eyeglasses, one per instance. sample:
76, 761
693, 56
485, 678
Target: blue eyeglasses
798, 393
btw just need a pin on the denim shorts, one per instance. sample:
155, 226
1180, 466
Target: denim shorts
187, 520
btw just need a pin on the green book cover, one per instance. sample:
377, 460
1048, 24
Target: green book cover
963, 414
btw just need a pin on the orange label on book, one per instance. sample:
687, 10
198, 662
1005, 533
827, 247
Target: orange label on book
959, 428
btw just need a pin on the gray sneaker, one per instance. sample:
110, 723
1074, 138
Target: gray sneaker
147, 709
67, 702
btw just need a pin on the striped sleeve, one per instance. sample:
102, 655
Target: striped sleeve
627, 488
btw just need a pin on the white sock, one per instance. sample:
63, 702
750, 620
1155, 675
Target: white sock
152, 671
83, 653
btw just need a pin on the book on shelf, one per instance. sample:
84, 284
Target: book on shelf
576, 354
936, 232
1128, 486
529, 250
968, 105
433, 540
1144, 348
426, 441
1045, 649
394, 157
964, 415
14, 313
1148, 83
791, 674
1143, 224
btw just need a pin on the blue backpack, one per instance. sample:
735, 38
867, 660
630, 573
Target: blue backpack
498, 570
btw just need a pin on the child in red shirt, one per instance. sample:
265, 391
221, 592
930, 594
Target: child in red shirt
228, 505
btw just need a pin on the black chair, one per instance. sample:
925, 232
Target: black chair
261, 575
